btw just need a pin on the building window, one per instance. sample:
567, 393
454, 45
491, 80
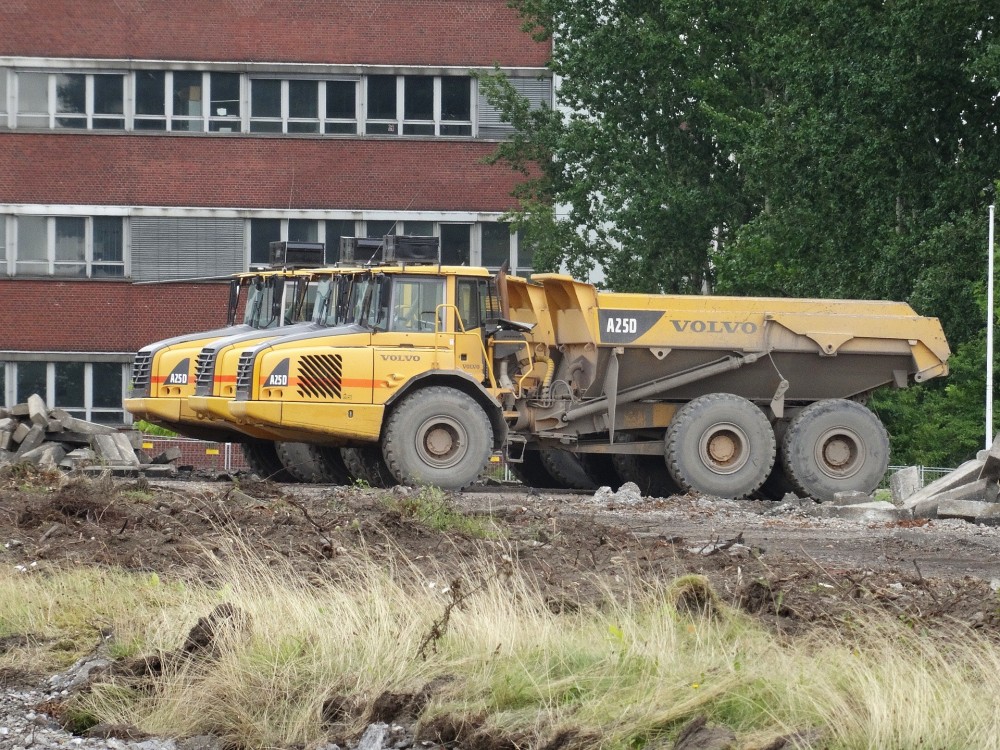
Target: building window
335, 229
495, 244
224, 112
88, 390
71, 100
3, 245
303, 106
431, 105
187, 97
262, 233
341, 107
455, 244
150, 109
381, 115
3, 97
33, 100
70, 246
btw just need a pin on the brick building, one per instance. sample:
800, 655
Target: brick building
147, 142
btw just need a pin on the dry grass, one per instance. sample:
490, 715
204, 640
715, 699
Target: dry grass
632, 670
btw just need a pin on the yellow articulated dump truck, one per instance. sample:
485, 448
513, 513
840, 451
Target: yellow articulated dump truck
273, 302
431, 368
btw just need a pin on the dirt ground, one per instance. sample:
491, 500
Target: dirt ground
771, 559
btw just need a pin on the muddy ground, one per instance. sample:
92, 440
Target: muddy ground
773, 560
929, 569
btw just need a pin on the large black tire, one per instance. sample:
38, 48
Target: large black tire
720, 444
332, 465
531, 472
367, 464
649, 473
834, 446
439, 436
566, 469
262, 458
777, 485
306, 463
600, 468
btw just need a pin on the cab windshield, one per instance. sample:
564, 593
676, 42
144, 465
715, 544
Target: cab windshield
345, 301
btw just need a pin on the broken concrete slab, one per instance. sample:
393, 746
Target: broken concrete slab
904, 484
114, 450
78, 457
72, 424
38, 412
173, 453
6, 440
877, 511
20, 432
970, 510
981, 490
964, 474
19, 410
34, 438
45, 455
6, 423
991, 465
851, 498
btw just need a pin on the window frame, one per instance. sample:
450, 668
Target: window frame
88, 411
53, 263
54, 115
404, 126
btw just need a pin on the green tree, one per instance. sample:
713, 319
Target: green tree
829, 148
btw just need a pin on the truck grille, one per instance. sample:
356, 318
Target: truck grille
244, 376
204, 369
141, 366
320, 376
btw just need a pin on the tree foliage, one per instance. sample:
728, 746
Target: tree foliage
829, 148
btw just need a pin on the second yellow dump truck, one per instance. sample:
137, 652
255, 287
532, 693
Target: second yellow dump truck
434, 368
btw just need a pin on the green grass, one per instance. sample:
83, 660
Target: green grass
432, 507
630, 670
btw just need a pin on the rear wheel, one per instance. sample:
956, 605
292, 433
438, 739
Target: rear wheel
367, 464
834, 446
305, 462
600, 468
720, 444
531, 472
262, 458
438, 436
566, 469
649, 473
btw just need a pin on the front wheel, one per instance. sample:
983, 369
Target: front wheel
720, 444
438, 436
835, 446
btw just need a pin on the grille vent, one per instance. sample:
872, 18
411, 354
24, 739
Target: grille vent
204, 368
320, 376
141, 366
244, 371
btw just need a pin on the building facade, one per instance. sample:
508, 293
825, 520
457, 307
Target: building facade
146, 147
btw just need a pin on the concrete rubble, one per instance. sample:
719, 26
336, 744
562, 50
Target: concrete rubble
31, 433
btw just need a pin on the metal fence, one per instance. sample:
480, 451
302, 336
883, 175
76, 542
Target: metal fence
927, 474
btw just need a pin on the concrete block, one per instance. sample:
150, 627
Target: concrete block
851, 498
34, 438
72, 424
45, 455
78, 457
55, 425
172, 453
38, 412
964, 474
877, 511
991, 465
19, 410
969, 510
6, 423
20, 432
6, 440
976, 491
904, 484
114, 449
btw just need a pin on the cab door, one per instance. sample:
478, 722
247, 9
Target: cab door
472, 302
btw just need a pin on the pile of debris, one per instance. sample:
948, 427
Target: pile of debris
33, 434
970, 492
